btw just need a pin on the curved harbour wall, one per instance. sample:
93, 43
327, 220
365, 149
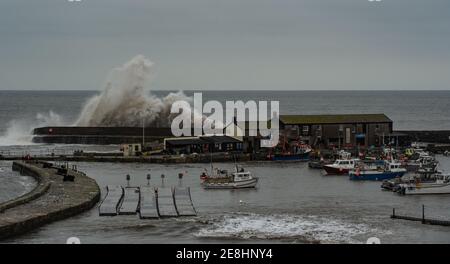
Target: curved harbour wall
53, 199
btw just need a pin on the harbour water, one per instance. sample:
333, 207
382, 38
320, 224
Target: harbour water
292, 204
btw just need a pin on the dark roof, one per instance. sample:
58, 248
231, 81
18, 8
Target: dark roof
184, 141
334, 119
220, 139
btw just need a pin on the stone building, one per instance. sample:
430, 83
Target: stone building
345, 130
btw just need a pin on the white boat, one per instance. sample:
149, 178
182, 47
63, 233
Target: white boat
423, 161
238, 180
340, 167
440, 186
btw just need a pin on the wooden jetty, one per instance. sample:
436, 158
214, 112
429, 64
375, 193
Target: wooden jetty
112, 200
183, 202
422, 219
166, 203
130, 203
148, 203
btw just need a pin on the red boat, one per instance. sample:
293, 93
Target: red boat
340, 167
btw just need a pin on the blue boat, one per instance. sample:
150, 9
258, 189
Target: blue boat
391, 170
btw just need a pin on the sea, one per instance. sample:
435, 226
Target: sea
291, 204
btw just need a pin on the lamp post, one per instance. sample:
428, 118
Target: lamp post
143, 133
128, 180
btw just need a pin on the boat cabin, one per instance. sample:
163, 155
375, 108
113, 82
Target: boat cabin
394, 166
242, 176
350, 162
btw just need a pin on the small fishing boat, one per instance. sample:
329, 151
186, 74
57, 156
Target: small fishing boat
291, 151
423, 161
318, 164
340, 167
391, 184
440, 186
221, 179
236, 180
390, 171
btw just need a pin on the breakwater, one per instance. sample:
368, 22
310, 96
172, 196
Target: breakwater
429, 136
54, 198
98, 135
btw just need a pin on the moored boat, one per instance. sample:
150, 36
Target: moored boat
340, 167
391, 170
237, 180
440, 186
294, 151
291, 157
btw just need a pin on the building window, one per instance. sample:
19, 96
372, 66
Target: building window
305, 130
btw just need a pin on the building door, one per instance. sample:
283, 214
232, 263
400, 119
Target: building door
348, 134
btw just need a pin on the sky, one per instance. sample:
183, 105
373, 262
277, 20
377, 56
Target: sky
228, 44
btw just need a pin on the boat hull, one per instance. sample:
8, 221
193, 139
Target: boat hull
425, 189
315, 165
293, 157
231, 185
335, 171
375, 176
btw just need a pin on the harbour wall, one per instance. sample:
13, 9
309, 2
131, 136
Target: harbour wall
429, 136
126, 135
53, 199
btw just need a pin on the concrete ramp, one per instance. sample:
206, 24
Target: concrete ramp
166, 205
183, 202
112, 200
130, 204
148, 205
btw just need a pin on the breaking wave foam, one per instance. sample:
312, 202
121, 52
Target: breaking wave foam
127, 101
308, 228
18, 132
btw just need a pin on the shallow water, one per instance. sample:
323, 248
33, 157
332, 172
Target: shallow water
12, 184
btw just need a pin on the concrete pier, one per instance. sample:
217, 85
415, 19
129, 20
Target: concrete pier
52, 199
